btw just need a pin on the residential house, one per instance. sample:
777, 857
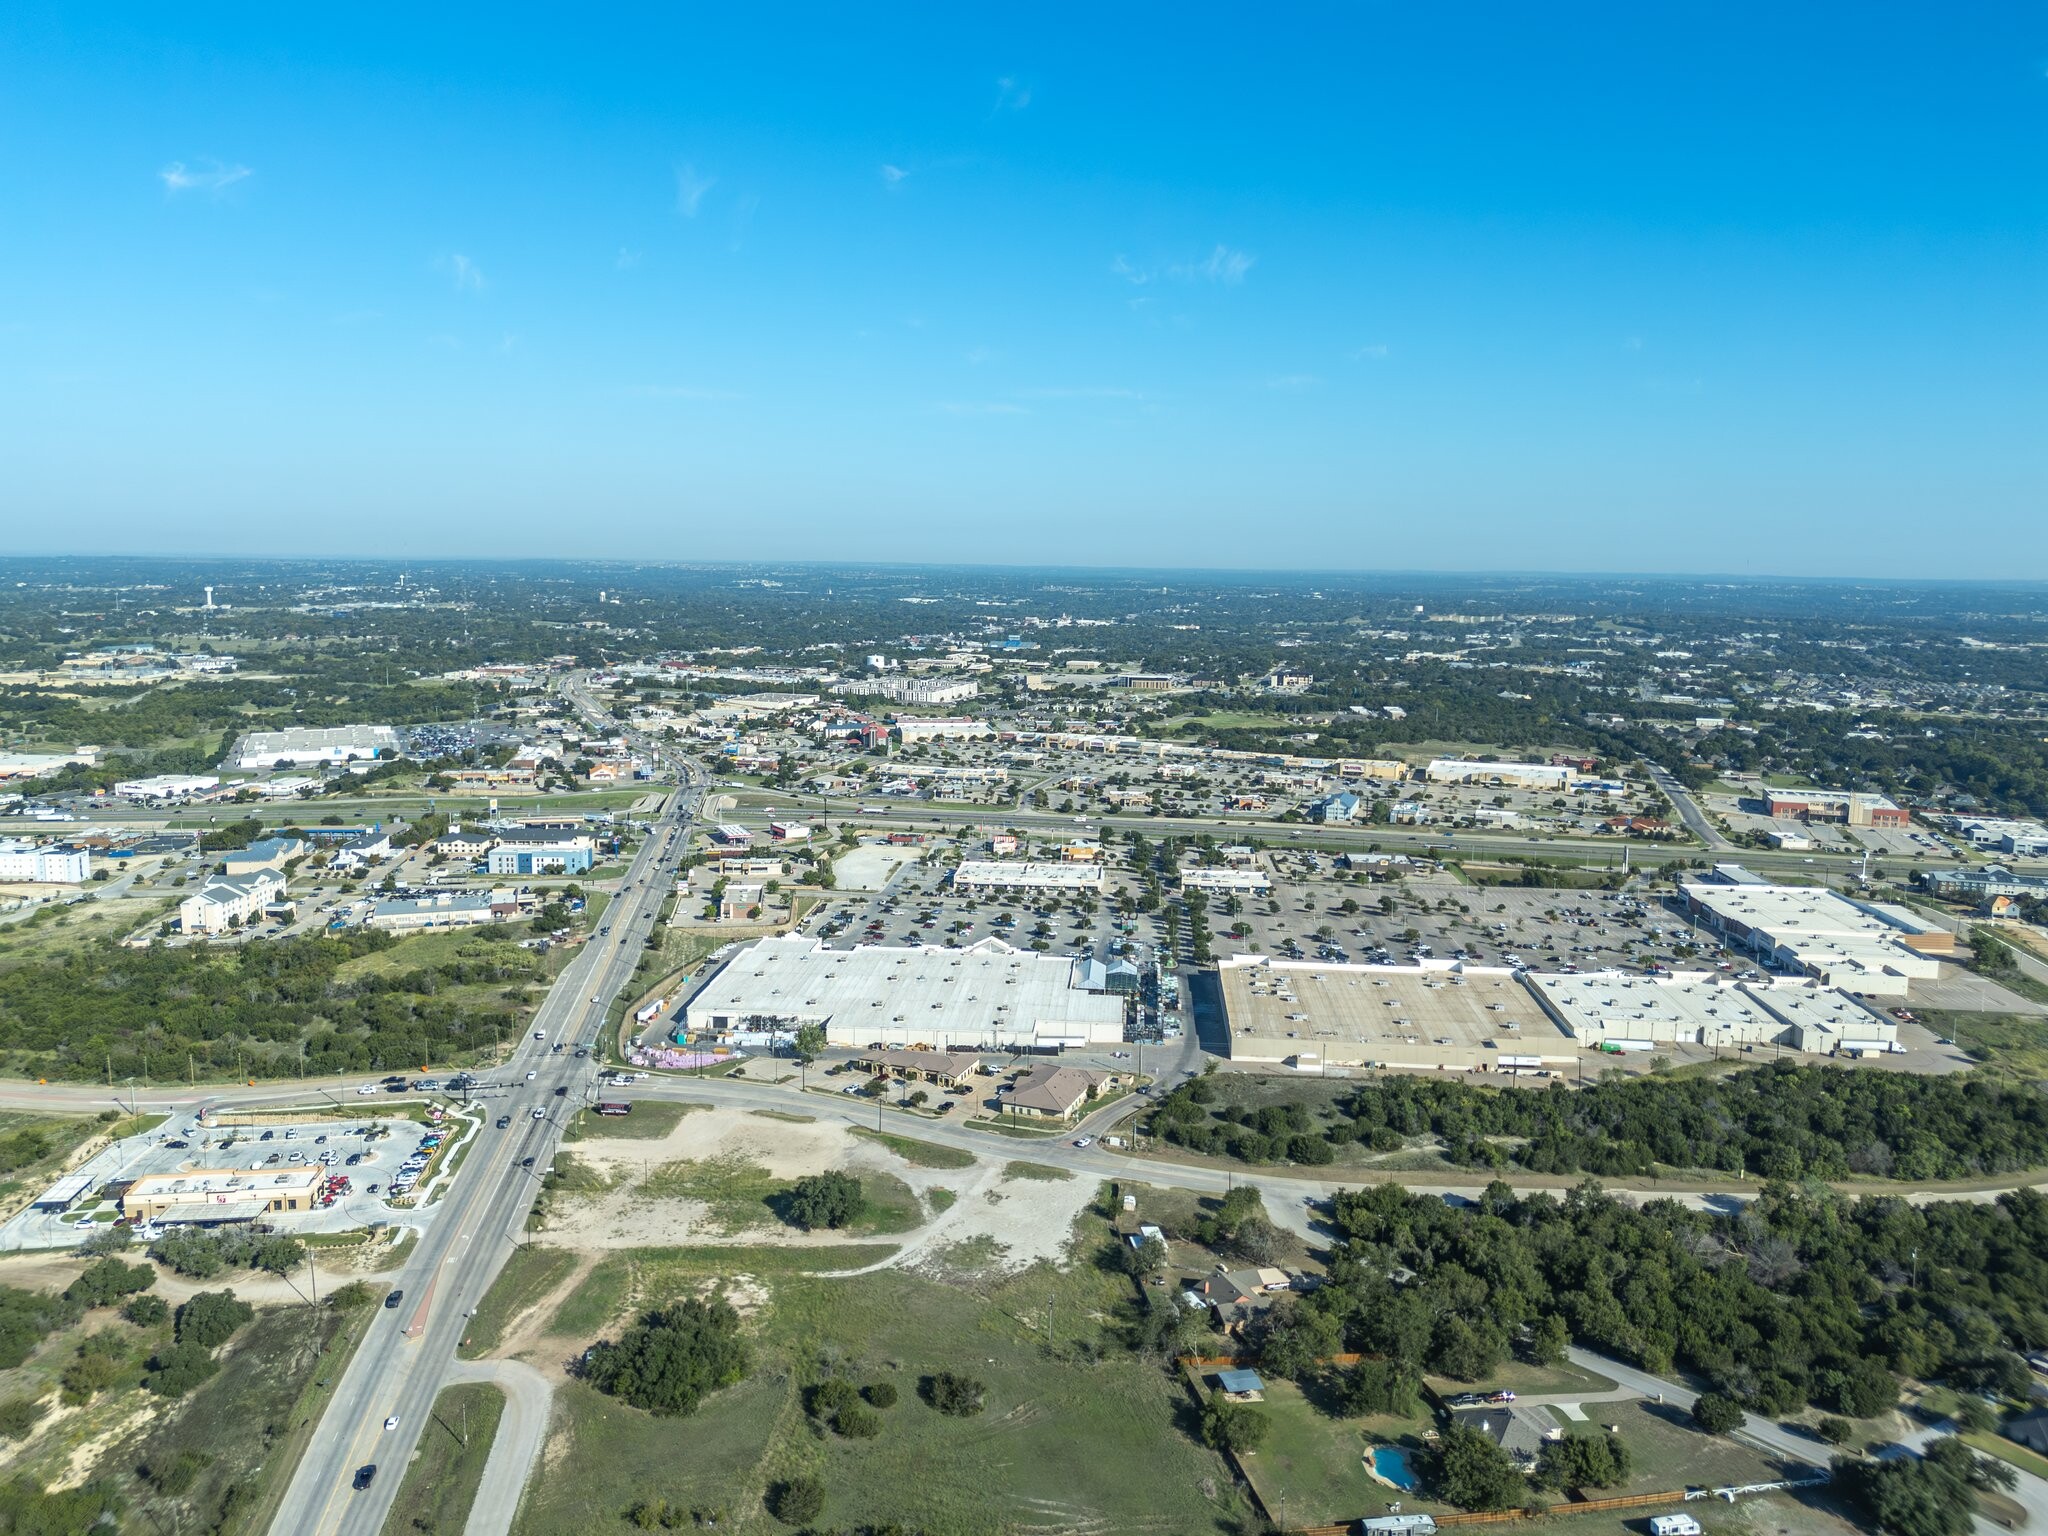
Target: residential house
1520, 1431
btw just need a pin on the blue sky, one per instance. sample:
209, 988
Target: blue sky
1733, 288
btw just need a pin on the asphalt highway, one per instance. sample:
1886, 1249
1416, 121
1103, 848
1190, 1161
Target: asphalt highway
408, 1354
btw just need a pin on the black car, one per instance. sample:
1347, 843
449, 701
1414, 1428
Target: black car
503, 1121
562, 1092
394, 1299
526, 1162
365, 1475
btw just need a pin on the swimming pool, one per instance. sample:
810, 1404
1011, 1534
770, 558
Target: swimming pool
1391, 1462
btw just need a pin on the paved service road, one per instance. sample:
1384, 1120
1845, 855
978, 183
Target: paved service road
1689, 810
521, 1433
408, 1353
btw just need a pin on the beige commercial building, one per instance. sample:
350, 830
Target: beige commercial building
222, 1194
1438, 1017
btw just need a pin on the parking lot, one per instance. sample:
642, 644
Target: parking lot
368, 1153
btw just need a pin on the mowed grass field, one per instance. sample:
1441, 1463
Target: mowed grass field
1312, 1465
1077, 1436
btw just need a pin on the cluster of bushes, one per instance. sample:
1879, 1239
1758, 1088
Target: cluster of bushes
835, 1404
200, 1327
672, 1358
1783, 1121
201, 1254
952, 1393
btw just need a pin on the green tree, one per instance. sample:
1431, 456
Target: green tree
1583, 1461
211, 1318
797, 1500
1549, 1339
1469, 1470
107, 1281
1717, 1413
1379, 1387
673, 1358
823, 1200
951, 1393
1232, 1427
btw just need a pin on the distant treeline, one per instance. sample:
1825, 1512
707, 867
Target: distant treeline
1783, 1121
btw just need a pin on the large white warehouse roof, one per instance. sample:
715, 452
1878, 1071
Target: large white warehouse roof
986, 995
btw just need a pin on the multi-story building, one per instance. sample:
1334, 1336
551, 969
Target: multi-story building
538, 851
227, 900
44, 863
1842, 807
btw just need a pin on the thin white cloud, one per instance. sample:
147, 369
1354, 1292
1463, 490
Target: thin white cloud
894, 174
1012, 94
690, 189
1368, 352
1632, 344
1221, 265
211, 177
468, 277
1290, 383
981, 408
627, 258
978, 355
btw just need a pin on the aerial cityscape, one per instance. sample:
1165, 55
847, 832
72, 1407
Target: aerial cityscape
1024, 775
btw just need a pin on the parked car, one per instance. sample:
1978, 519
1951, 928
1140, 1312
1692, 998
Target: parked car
394, 1298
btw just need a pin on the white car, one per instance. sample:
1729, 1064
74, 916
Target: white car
531, 1076
366, 1090
539, 1113
1084, 1141
540, 1034
392, 1422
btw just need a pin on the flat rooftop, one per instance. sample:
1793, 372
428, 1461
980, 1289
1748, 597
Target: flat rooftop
985, 994
1425, 1016
1703, 1008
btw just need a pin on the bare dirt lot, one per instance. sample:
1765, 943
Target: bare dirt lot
649, 1200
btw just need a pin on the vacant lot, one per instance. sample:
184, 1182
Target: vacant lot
719, 1174
650, 1121
1019, 1464
529, 1274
